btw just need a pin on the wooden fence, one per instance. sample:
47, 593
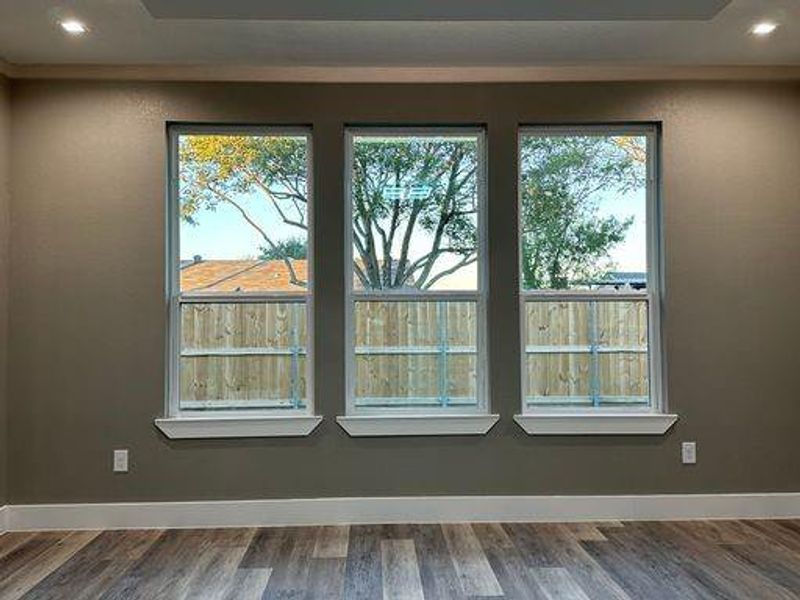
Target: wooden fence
413, 353
586, 353
421, 353
247, 355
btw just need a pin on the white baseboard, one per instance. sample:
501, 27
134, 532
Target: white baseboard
3, 519
428, 509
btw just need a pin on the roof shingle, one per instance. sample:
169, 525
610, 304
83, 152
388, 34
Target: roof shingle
242, 276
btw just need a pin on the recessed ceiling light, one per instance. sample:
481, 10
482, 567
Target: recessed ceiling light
73, 27
764, 28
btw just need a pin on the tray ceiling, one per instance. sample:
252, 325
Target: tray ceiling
448, 10
124, 32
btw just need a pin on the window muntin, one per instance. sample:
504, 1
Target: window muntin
589, 272
241, 273
587, 353
416, 308
416, 354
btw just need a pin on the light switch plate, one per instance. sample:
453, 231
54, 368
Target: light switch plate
689, 453
120, 461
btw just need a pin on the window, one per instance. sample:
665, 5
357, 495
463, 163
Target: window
416, 274
589, 270
240, 272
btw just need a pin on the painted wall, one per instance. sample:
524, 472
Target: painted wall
5, 204
88, 212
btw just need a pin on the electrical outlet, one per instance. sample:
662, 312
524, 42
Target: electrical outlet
120, 461
689, 453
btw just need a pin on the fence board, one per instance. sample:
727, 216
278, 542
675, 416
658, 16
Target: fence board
255, 343
607, 361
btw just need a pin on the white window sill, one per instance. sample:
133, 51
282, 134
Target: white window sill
177, 428
595, 423
395, 425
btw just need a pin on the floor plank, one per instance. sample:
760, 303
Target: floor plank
436, 568
565, 546
92, 570
558, 584
509, 566
401, 579
325, 579
165, 569
363, 571
747, 560
218, 565
332, 542
731, 576
27, 551
23, 579
247, 584
13, 540
265, 548
472, 566
289, 578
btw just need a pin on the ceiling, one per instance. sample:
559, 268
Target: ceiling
410, 33
450, 10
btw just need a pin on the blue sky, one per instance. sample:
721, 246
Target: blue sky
223, 234
631, 254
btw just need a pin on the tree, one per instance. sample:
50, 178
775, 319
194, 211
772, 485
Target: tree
414, 202
564, 238
401, 187
409, 194
221, 169
293, 248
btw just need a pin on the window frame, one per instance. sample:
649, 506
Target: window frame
479, 295
232, 422
557, 419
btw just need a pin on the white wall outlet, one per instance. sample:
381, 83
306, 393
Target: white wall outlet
689, 453
120, 461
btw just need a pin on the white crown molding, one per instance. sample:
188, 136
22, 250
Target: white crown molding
403, 74
427, 509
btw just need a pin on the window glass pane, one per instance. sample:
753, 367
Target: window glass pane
243, 356
583, 211
416, 354
415, 212
586, 353
244, 213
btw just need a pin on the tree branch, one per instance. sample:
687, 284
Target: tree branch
269, 193
286, 260
467, 261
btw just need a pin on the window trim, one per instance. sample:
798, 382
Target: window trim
238, 426
407, 421
653, 419
270, 422
601, 423
417, 424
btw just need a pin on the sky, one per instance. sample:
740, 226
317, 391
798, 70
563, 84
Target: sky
631, 254
223, 234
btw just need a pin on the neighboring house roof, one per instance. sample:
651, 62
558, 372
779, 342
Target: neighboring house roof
241, 276
636, 280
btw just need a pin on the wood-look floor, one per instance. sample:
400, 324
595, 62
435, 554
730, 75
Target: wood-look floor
707, 559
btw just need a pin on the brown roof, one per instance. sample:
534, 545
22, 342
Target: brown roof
242, 276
